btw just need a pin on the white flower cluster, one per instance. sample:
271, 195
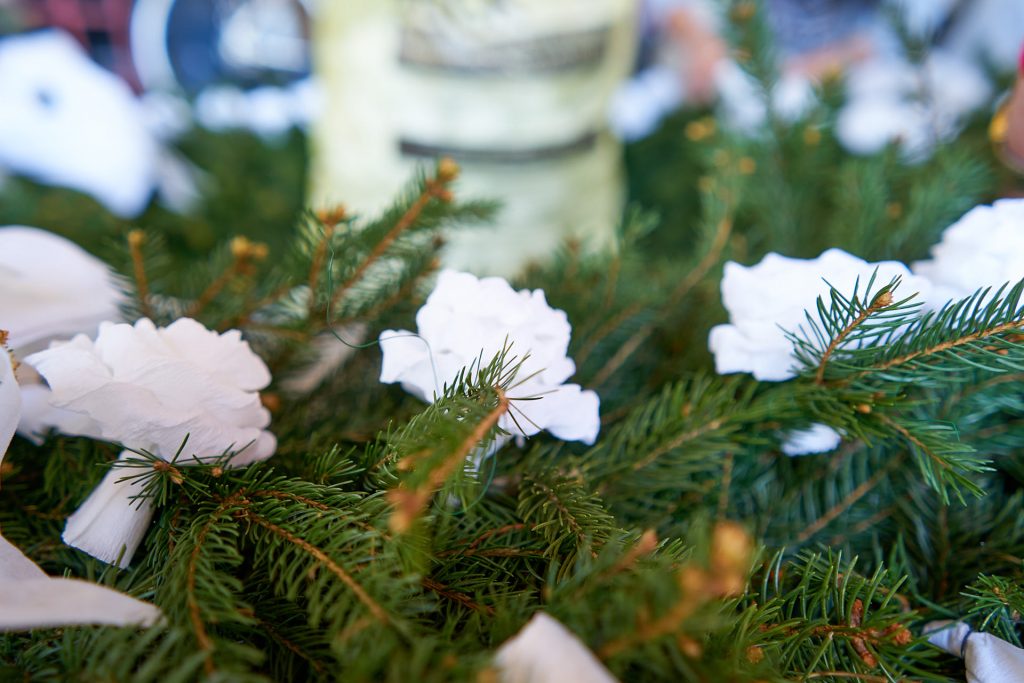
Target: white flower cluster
767, 300
771, 298
985, 248
161, 390
466, 321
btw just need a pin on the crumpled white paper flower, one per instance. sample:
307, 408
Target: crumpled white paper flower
988, 659
985, 248
149, 388
29, 598
544, 651
890, 100
50, 287
768, 299
66, 121
467, 319
817, 438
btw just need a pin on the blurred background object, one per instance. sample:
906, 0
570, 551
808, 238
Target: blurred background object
188, 45
516, 92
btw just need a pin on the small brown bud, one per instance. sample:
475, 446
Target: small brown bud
689, 647
136, 238
259, 251
488, 676
332, 216
882, 300
445, 196
700, 129
647, 542
812, 137
216, 472
240, 247
447, 170
4, 336
755, 655
863, 409
747, 166
894, 210
902, 636
270, 401
731, 548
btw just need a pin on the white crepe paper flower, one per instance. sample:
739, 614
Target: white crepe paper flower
29, 598
988, 659
817, 438
150, 388
50, 287
766, 300
985, 248
544, 651
66, 121
467, 319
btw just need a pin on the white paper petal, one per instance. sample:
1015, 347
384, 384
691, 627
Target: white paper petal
29, 599
14, 566
544, 651
769, 298
988, 659
51, 603
51, 288
10, 403
110, 520
38, 416
818, 438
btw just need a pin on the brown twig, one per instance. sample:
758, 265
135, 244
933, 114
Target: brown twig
195, 614
135, 240
507, 529
677, 442
847, 502
938, 348
456, 596
375, 609
723, 500
630, 346
244, 253
436, 188
320, 667
881, 301
410, 503
905, 433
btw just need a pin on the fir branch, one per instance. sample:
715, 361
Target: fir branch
435, 188
409, 503
321, 557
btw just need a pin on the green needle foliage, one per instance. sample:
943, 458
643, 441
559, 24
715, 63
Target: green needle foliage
388, 540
